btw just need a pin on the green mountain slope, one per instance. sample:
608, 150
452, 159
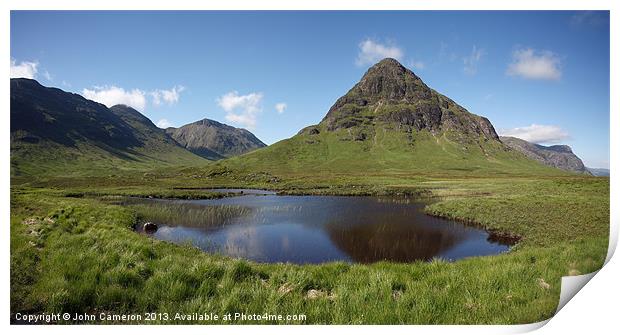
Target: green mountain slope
56, 132
392, 122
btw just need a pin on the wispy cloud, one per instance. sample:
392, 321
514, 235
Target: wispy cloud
163, 123
537, 133
241, 109
371, 51
23, 69
531, 64
169, 97
112, 95
417, 64
589, 17
281, 107
470, 62
47, 76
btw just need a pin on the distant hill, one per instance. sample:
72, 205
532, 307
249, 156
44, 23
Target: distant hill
598, 172
558, 156
53, 131
391, 121
213, 140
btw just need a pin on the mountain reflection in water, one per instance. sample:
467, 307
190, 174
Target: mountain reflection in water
315, 229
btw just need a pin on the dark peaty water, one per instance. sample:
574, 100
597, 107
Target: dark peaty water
317, 229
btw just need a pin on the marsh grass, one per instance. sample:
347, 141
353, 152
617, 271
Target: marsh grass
174, 213
81, 254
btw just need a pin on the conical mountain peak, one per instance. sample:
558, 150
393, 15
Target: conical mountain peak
389, 82
391, 95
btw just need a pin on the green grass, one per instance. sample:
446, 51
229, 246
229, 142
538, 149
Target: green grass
81, 255
543, 211
388, 151
47, 158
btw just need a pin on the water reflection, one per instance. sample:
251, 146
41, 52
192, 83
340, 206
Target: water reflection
366, 243
315, 229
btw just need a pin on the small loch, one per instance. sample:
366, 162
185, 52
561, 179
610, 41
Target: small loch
264, 227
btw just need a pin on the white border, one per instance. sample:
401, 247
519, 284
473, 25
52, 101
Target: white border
594, 308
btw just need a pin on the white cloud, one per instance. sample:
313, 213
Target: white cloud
47, 76
371, 52
169, 97
281, 107
24, 69
163, 123
532, 64
470, 63
241, 109
112, 95
416, 64
136, 98
537, 133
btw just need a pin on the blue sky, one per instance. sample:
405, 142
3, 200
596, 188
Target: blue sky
542, 76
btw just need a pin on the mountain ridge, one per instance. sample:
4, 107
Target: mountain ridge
388, 122
53, 131
599, 172
558, 156
214, 140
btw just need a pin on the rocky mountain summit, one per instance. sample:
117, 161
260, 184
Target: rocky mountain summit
558, 156
392, 96
214, 140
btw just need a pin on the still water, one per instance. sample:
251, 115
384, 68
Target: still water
265, 227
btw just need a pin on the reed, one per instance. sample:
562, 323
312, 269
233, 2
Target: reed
175, 213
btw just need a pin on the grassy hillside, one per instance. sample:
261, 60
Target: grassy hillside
387, 151
47, 158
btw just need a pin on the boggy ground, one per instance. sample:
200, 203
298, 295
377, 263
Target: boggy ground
71, 252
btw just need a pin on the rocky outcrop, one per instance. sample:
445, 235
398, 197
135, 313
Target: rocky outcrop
558, 156
391, 94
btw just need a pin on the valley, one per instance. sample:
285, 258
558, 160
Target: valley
74, 247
